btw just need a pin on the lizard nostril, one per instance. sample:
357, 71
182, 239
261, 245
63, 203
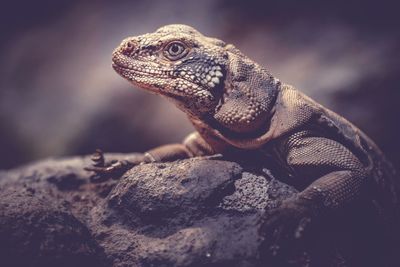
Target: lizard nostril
128, 47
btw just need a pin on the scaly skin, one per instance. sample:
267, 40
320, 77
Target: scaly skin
238, 107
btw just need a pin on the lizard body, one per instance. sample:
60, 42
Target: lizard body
238, 106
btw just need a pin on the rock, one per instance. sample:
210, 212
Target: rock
160, 192
38, 231
195, 212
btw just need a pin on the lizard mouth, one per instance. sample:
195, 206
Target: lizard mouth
139, 71
132, 68
142, 75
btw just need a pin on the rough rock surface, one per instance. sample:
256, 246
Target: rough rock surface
195, 212
186, 213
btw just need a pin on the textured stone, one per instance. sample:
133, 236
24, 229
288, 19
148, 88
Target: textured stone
195, 212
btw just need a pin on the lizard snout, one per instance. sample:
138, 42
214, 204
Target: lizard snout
128, 46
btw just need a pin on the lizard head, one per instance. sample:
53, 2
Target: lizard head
178, 62
211, 81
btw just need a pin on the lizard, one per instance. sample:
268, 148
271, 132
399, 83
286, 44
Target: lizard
238, 107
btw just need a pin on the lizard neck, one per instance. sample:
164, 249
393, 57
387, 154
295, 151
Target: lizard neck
245, 140
250, 93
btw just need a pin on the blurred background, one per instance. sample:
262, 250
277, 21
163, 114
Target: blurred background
59, 95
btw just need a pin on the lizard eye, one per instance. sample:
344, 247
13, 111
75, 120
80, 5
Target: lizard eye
175, 51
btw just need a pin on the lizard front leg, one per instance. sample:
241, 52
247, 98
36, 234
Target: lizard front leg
193, 145
336, 175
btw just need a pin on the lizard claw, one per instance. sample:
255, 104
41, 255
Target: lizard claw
98, 158
103, 171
